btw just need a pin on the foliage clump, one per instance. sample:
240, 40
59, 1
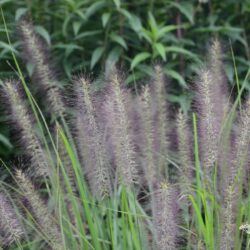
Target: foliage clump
118, 171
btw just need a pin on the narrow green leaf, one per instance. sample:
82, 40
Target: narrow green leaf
153, 26
5, 1
187, 9
105, 19
94, 8
198, 214
114, 55
88, 33
5, 141
125, 13
76, 27
161, 50
117, 3
30, 68
68, 48
134, 77
8, 47
152, 22
81, 14
236, 73
82, 190
20, 12
147, 36
98, 52
118, 39
166, 29
71, 3
44, 33
139, 58
135, 23
180, 50
65, 25
174, 74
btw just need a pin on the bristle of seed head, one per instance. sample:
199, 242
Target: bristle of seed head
221, 91
220, 86
164, 216
212, 101
228, 220
119, 125
10, 226
200, 245
184, 152
66, 163
161, 125
234, 177
22, 120
220, 107
238, 155
147, 129
215, 59
41, 213
242, 141
43, 74
208, 132
88, 129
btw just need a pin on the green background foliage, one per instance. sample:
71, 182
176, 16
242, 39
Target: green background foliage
90, 35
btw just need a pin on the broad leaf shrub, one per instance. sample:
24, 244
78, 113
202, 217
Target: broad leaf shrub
112, 169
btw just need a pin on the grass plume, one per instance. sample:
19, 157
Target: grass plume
43, 74
164, 216
97, 166
161, 115
10, 227
21, 118
114, 180
118, 122
147, 144
40, 211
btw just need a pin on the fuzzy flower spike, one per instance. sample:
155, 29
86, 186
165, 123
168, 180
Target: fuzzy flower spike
22, 120
10, 227
118, 122
43, 74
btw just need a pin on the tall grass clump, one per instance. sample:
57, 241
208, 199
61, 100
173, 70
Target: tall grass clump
111, 169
